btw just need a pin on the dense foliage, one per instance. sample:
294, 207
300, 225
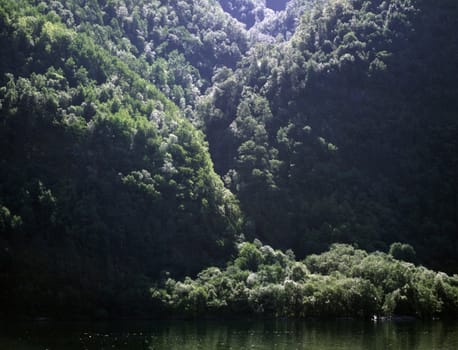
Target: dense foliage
326, 121
342, 282
174, 44
346, 132
102, 184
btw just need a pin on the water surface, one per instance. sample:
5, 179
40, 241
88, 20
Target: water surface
233, 334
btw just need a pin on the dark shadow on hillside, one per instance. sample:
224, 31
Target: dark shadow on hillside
276, 5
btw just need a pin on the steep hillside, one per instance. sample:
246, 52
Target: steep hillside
347, 132
175, 44
140, 139
103, 184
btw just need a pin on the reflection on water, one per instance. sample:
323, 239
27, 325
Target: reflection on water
221, 335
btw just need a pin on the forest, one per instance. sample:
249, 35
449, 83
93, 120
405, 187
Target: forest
148, 147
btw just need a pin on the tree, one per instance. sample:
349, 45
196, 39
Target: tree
403, 251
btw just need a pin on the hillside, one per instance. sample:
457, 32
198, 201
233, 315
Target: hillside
144, 140
104, 184
346, 132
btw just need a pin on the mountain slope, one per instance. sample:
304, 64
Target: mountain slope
103, 183
348, 131
175, 44
331, 121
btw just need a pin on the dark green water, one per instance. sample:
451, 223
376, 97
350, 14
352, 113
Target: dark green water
219, 335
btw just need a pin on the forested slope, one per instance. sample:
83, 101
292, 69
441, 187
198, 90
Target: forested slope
141, 138
347, 132
174, 44
103, 183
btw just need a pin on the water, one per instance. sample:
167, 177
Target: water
222, 335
